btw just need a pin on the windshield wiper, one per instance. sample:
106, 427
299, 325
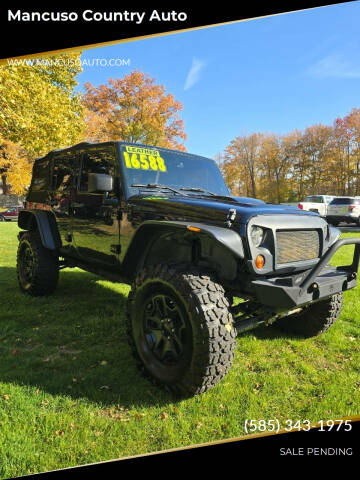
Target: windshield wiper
156, 186
200, 190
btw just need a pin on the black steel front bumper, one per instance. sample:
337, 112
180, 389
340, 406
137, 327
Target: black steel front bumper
321, 282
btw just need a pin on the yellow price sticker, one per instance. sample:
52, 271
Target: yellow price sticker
144, 159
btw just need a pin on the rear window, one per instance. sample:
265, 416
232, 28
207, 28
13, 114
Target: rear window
314, 199
345, 201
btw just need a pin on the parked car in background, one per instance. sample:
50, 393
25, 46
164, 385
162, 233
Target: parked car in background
317, 203
11, 213
344, 209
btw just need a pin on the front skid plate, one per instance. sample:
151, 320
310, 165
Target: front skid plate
273, 293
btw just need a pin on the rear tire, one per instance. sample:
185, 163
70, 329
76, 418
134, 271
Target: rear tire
37, 268
2, 219
314, 319
180, 329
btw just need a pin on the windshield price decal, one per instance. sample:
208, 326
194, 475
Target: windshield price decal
144, 159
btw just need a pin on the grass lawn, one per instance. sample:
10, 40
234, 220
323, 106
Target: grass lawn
70, 393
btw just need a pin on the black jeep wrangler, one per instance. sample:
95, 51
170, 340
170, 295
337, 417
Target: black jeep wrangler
165, 222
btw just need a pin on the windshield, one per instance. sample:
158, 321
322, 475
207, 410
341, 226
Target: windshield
148, 165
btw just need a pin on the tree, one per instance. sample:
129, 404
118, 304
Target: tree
352, 126
242, 158
15, 166
133, 109
39, 109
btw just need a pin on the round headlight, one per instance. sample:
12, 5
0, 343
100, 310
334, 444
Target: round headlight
257, 235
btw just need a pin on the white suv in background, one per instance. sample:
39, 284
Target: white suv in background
344, 209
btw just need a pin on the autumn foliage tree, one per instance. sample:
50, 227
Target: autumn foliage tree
39, 111
16, 167
133, 109
323, 159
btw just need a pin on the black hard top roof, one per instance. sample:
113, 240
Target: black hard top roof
112, 142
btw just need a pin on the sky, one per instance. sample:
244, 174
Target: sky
274, 74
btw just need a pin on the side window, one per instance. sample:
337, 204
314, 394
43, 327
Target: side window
41, 175
99, 160
65, 170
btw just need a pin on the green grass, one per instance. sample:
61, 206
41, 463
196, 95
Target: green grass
70, 393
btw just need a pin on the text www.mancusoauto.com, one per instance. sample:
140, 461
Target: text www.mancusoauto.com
85, 62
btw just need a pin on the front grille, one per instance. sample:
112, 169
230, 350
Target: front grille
297, 245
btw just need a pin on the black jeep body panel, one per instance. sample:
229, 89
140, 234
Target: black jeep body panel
115, 233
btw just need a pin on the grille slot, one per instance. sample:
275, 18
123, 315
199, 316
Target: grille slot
297, 245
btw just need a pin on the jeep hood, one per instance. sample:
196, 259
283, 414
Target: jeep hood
208, 208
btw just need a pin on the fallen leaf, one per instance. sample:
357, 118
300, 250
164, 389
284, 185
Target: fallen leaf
14, 351
74, 380
163, 416
60, 433
6, 397
104, 362
139, 416
199, 425
105, 387
176, 410
97, 434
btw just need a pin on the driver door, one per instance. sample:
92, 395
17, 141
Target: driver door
96, 228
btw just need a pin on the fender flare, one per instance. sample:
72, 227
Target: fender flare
46, 225
150, 229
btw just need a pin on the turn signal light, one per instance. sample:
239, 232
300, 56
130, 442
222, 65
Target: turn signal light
259, 262
193, 229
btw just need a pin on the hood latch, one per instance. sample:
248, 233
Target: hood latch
230, 217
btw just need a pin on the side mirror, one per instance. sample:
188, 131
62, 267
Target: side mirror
100, 182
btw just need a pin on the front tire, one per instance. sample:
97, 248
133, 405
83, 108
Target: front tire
314, 319
37, 268
180, 329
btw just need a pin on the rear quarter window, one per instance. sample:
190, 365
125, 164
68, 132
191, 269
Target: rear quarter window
41, 175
